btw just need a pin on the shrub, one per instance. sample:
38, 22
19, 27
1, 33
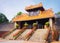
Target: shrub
25, 24
34, 24
47, 23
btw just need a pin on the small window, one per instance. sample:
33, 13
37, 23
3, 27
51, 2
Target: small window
34, 13
30, 13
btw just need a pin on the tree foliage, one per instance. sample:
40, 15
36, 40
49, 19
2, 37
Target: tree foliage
19, 13
3, 18
58, 12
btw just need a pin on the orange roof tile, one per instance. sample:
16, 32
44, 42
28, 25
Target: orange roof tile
34, 6
26, 17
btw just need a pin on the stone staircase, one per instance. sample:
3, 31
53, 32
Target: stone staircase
21, 37
39, 35
10, 36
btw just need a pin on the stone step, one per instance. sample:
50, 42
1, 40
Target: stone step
10, 36
21, 37
40, 34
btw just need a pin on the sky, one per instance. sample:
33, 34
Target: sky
11, 7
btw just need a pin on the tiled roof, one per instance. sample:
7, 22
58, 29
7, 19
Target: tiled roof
34, 6
43, 14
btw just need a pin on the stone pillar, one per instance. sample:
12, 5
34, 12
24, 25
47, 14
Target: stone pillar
50, 22
53, 32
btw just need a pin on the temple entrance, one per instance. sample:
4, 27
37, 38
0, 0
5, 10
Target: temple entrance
40, 22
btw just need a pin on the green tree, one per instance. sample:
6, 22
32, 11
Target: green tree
19, 13
3, 18
58, 12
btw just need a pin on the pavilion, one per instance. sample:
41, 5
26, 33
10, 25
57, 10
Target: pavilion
36, 14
